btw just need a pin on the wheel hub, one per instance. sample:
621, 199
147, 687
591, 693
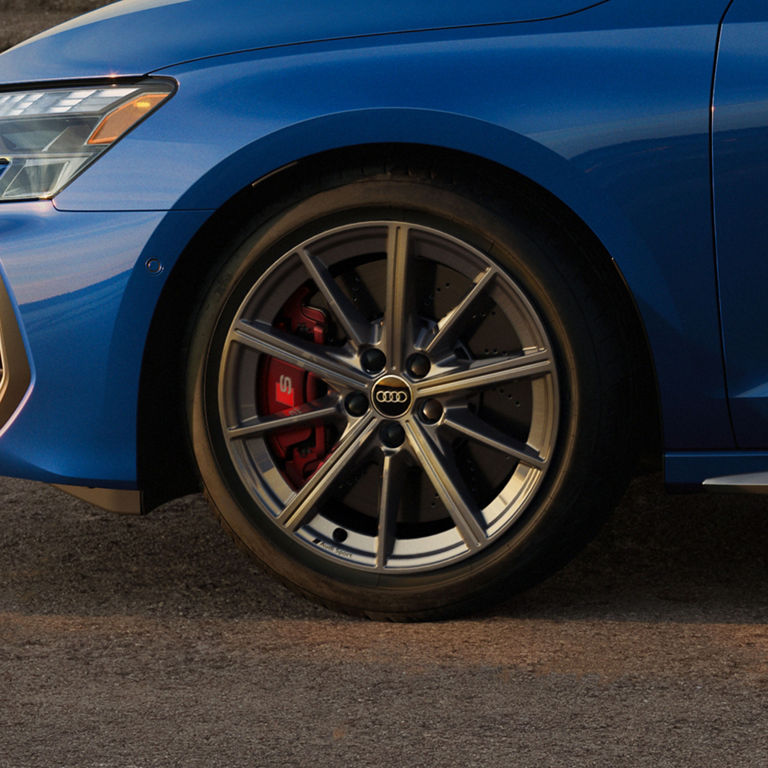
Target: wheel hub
392, 396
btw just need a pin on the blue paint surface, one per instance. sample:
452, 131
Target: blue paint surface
607, 106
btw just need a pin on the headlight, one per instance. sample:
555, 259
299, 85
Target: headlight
48, 136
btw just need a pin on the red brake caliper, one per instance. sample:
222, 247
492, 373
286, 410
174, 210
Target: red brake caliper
284, 387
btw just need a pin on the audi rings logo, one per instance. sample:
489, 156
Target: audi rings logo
391, 396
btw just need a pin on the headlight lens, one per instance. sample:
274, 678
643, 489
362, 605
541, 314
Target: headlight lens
49, 136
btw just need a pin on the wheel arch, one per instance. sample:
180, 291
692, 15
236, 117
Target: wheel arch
162, 432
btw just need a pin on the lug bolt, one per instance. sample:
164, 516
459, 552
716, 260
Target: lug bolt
418, 366
392, 434
430, 411
356, 404
373, 360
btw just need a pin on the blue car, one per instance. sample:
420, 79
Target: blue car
406, 289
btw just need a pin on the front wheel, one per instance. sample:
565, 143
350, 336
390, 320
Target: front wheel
397, 401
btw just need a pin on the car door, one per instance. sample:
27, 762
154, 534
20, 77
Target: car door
740, 185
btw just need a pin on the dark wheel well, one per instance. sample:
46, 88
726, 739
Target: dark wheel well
165, 463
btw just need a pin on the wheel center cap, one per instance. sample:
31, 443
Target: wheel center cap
391, 396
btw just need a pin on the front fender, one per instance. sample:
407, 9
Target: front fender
560, 102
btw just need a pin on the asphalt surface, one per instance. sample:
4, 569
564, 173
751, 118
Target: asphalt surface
138, 642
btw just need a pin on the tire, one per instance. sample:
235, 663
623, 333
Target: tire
407, 396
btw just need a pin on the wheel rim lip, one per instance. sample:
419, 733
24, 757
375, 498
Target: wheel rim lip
269, 489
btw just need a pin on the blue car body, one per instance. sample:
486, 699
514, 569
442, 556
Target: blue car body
647, 120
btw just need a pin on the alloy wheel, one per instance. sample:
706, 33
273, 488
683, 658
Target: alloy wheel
388, 397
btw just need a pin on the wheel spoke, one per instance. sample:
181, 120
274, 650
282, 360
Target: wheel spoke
463, 420
301, 506
389, 500
395, 317
486, 373
318, 410
292, 349
446, 480
344, 310
449, 322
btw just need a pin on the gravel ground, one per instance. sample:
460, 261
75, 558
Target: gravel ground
20, 19
139, 642
152, 642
